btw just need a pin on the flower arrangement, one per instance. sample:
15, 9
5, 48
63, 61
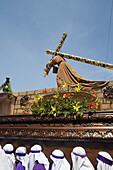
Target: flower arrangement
7, 87
65, 101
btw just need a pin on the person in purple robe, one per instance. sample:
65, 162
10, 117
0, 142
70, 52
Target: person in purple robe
39, 166
4, 165
80, 161
105, 161
20, 166
22, 157
9, 149
38, 159
59, 160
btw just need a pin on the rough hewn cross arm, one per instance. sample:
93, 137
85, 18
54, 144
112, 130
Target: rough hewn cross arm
81, 59
61, 41
47, 69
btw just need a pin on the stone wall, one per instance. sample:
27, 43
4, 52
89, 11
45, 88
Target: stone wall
105, 104
30, 95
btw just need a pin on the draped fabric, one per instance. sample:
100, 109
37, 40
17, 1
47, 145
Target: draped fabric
79, 160
20, 166
22, 157
8, 148
101, 163
37, 155
39, 167
67, 75
59, 161
4, 165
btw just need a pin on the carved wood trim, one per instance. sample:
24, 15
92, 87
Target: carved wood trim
97, 126
58, 132
46, 119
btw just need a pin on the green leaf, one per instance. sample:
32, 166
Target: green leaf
65, 114
75, 117
42, 114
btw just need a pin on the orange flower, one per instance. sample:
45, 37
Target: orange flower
68, 95
28, 102
57, 89
95, 105
92, 99
94, 92
56, 102
24, 113
64, 96
45, 91
88, 89
90, 105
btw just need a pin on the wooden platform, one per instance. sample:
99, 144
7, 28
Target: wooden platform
94, 132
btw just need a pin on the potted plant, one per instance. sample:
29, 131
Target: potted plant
7, 87
7, 99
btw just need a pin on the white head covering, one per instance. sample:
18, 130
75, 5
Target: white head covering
4, 165
104, 161
22, 156
8, 148
79, 159
37, 155
59, 161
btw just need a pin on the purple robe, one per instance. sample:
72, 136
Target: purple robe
39, 167
19, 166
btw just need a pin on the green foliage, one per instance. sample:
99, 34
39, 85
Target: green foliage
65, 103
10, 93
10, 90
1, 87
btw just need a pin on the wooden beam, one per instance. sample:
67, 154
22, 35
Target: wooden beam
60, 43
47, 69
81, 59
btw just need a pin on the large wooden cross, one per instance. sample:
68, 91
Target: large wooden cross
60, 43
57, 50
77, 58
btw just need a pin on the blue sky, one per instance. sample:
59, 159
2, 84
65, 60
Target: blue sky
29, 27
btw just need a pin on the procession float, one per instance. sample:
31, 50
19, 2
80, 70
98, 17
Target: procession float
79, 112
